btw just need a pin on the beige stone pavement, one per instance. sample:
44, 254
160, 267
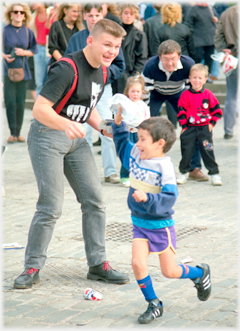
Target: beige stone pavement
209, 216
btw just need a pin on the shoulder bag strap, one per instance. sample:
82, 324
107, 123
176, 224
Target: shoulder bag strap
70, 92
104, 74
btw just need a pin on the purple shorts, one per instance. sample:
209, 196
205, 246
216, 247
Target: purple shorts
159, 239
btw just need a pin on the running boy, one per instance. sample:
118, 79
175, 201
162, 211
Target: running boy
152, 194
199, 111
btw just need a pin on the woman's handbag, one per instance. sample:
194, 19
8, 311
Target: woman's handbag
16, 74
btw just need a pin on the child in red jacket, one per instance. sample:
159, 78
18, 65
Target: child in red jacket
198, 112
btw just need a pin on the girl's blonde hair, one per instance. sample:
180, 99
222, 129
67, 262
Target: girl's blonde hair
133, 7
171, 13
26, 9
113, 9
61, 14
133, 80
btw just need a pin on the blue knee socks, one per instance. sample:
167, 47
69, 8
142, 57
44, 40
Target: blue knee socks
146, 287
191, 272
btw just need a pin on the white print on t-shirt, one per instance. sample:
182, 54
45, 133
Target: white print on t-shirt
96, 90
80, 113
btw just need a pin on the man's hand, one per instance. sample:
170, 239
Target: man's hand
74, 130
139, 196
118, 118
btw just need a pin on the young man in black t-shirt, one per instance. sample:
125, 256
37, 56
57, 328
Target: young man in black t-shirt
57, 146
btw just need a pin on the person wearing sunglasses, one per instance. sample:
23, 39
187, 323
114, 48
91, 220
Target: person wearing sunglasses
19, 43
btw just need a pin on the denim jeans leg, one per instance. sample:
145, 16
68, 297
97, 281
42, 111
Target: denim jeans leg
230, 109
81, 171
40, 67
46, 148
88, 136
109, 155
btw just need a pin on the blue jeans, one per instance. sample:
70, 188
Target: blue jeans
41, 61
215, 67
53, 155
109, 155
230, 109
133, 137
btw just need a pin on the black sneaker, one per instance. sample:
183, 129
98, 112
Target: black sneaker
203, 284
227, 136
154, 311
27, 278
97, 143
106, 273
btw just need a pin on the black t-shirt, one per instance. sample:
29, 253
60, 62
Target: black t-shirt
88, 91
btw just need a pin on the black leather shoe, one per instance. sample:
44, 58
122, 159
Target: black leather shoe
106, 273
97, 143
227, 136
27, 278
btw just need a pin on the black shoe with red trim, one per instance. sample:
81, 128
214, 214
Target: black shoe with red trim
106, 273
27, 278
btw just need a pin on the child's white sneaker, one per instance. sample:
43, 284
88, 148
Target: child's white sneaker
182, 178
216, 180
125, 182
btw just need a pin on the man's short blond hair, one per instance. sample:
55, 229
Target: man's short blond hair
107, 26
199, 67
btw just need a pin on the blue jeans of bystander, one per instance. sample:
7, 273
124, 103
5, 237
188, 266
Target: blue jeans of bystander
109, 156
231, 103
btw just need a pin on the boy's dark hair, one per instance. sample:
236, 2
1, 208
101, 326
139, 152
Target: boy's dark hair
160, 128
90, 5
168, 47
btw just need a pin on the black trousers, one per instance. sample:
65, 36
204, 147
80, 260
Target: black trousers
14, 98
203, 136
204, 53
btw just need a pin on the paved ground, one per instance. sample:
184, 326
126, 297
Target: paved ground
208, 214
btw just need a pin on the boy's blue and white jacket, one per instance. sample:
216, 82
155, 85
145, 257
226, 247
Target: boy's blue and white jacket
154, 176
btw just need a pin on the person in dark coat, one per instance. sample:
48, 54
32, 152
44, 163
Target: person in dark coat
110, 11
150, 27
173, 29
202, 20
134, 46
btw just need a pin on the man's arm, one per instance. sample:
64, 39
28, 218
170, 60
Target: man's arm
45, 114
94, 120
219, 38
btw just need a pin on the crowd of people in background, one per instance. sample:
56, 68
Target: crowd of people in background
35, 35
148, 54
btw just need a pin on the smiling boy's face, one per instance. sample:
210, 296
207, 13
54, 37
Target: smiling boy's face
197, 79
149, 149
